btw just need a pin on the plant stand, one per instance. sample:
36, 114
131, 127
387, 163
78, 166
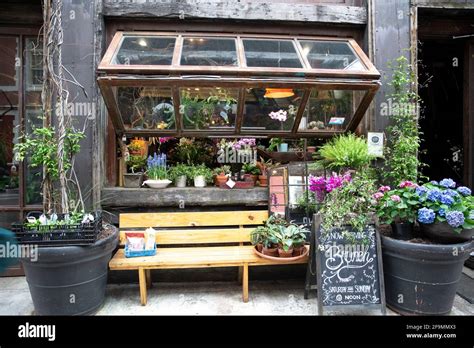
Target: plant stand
70, 280
422, 278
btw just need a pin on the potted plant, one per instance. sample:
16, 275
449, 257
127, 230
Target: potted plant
180, 174
291, 238
63, 279
221, 174
157, 172
264, 166
422, 275
251, 172
202, 175
278, 144
258, 236
135, 165
398, 208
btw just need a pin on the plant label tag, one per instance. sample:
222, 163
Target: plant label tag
230, 183
375, 144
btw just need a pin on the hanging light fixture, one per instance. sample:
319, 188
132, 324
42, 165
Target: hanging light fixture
276, 93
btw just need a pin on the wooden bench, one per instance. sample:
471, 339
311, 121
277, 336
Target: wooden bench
180, 238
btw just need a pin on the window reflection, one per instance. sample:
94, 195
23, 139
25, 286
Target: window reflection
209, 52
330, 55
145, 50
271, 53
146, 107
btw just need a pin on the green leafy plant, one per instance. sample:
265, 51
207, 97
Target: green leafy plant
136, 163
202, 170
274, 143
343, 152
251, 168
157, 173
307, 201
397, 205
225, 169
403, 137
180, 170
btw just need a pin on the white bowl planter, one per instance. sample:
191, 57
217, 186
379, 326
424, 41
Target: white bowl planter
200, 181
181, 181
157, 183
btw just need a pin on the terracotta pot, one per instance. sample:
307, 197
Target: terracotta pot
283, 253
270, 251
263, 180
297, 251
311, 149
259, 247
220, 179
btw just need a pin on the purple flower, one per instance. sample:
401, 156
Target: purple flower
407, 183
451, 193
426, 216
446, 199
421, 190
448, 183
455, 218
465, 191
434, 195
395, 198
377, 195
384, 188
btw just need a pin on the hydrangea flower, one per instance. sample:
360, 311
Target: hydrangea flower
446, 199
455, 218
421, 190
441, 212
395, 198
451, 193
377, 195
448, 183
434, 195
426, 216
384, 188
465, 191
434, 182
407, 183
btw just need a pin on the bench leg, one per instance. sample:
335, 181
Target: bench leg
149, 283
142, 281
245, 283
239, 276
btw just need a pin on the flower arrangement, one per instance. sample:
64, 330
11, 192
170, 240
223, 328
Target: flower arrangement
397, 205
321, 185
280, 115
444, 202
157, 167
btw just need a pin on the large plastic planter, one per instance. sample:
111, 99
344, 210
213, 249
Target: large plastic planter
422, 278
70, 280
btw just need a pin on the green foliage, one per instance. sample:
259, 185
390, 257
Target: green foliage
226, 169
157, 173
344, 152
41, 147
180, 170
351, 204
193, 151
202, 170
136, 163
307, 201
402, 161
399, 205
251, 168
274, 142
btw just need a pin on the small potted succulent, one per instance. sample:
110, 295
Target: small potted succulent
135, 165
221, 174
180, 174
202, 175
251, 172
157, 172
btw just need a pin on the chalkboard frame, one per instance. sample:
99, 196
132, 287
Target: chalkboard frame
382, 306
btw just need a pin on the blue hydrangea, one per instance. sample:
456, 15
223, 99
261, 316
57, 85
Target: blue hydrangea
455, 218
451, 193
421, 190
441, 212
434, 182
426, 216
446, 199
471, 215
448, 183
465, 191
434, 195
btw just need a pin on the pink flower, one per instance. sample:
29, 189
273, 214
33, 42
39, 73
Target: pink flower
395, 198
164, 139
377, 195
407, 183
384, 188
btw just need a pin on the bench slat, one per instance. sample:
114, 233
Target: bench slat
187, 219
198, 236
195, 257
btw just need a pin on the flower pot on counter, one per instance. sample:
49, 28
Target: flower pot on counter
442, 232
422, 278
263, 180
200, 181
270, 251
158, 184
220, 179
283, 253
132, 180
181, 181
283, 147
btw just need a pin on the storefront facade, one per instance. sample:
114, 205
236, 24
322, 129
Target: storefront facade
382, 30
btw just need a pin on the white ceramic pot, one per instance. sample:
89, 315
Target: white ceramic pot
181, 181
283, 147
157, 183
200, 181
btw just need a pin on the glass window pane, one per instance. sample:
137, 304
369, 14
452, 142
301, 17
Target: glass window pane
271, 53
271, 108
9, 121
146, 107
331, 55
212, 108
7, 218
330, 110
209, 52
145, 50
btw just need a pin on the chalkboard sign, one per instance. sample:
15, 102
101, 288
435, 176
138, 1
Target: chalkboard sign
349, 270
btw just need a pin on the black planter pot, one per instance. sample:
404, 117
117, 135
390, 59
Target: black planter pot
70, 280
402, 230
443, 233
422, 278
